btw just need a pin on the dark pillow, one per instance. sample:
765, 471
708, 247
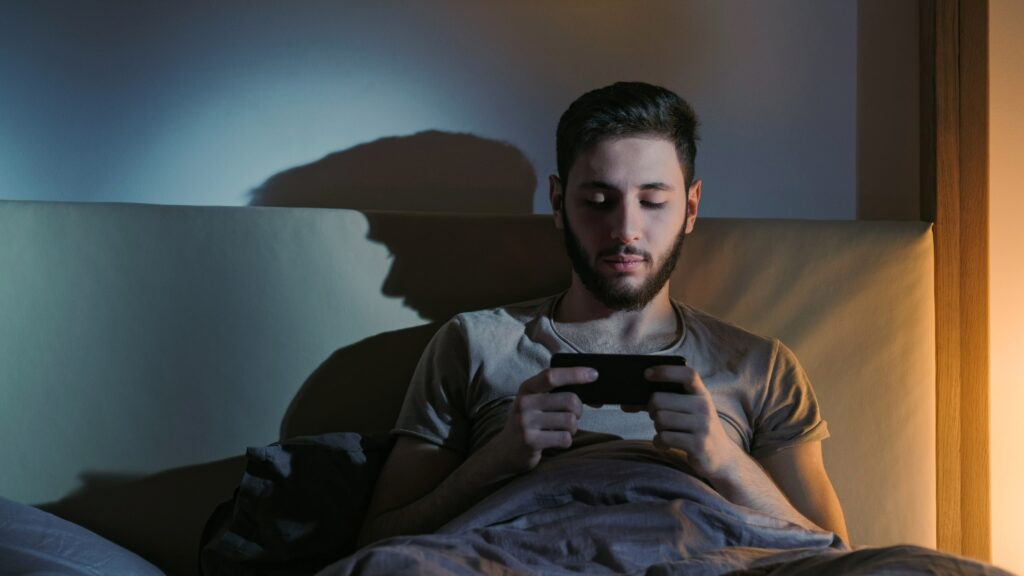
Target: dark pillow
298, 507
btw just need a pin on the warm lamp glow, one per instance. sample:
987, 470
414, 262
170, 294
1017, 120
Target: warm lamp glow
1006, 280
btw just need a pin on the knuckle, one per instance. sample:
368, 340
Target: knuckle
529, 437
522, 420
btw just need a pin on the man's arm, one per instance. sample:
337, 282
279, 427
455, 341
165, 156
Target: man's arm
423, 486
688, 422
799, 472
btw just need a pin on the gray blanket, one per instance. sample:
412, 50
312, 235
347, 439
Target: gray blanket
628, 508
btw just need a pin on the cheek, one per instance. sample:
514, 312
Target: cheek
666, 225
586, 224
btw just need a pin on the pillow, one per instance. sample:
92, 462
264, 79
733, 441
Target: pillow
36, 542
299, 505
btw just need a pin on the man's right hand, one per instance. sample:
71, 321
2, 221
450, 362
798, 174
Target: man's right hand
540, 420
423, 485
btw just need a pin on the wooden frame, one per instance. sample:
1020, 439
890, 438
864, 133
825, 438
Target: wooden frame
954, 195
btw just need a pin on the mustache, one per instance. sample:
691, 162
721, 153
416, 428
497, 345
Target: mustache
625, 251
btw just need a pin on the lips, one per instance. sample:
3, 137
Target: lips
624, 263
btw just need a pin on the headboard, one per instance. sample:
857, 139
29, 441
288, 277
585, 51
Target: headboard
142, 347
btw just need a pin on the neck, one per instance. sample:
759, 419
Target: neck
580, 307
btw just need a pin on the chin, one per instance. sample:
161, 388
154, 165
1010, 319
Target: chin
626, 282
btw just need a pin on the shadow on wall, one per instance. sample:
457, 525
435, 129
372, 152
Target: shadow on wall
430, 171
437, 261
442, 264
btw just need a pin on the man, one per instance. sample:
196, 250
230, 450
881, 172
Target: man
479, 413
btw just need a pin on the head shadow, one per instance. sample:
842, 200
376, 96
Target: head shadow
422, 195
436, 261
430, 171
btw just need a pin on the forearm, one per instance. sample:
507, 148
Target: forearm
825, 511
746, 483
475, 478
537, 421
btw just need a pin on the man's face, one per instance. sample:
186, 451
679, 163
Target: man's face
625, 213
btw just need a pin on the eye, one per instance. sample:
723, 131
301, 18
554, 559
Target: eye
596, 200
652, 205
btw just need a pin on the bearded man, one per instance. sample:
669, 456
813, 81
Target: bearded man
479, 412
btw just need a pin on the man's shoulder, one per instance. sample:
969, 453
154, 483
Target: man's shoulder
723, 346
514, 317
723, 332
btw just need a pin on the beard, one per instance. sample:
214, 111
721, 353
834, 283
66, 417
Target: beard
612, 295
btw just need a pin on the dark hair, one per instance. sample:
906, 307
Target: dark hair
626, 109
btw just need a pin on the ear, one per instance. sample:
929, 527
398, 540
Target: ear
557, 197
692, 204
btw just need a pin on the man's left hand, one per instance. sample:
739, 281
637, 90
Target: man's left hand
688, 421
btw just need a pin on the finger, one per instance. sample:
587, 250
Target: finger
552, 403
541, 439
550, 378
686, 403
669, 421
565, 421
658, 443
678, 440
687, 378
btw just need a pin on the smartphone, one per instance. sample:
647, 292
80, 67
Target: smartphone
620, 377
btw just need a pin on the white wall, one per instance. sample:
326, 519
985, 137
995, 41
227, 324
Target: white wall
200, 102
1006, 279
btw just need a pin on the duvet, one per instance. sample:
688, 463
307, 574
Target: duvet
625, 507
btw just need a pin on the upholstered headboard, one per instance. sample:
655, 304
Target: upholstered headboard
142, 347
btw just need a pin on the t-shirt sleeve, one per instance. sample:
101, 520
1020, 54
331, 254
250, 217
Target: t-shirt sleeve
434, 409
789, 414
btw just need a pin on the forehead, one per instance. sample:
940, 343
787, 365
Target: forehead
628, 161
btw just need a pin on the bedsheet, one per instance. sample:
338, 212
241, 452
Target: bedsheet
628, 508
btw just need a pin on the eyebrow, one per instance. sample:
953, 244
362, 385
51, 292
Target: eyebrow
602, 185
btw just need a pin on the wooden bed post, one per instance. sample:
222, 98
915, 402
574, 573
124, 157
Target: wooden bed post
954, 195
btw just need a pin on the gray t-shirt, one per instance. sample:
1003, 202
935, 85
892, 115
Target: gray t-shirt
463, 387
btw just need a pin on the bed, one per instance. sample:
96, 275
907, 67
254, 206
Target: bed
142, 348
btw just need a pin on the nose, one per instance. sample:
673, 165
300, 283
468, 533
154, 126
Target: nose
625, 224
